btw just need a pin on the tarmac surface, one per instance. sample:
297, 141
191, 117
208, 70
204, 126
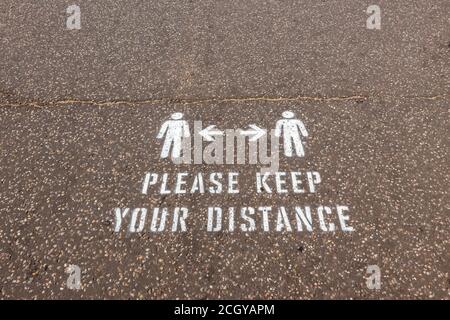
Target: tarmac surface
80, 112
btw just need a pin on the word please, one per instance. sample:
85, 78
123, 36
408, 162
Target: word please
218, 182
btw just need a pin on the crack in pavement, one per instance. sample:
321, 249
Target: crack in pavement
106, 103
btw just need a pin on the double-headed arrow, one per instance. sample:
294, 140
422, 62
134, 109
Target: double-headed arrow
254, 133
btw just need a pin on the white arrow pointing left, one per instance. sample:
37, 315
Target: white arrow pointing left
209, 132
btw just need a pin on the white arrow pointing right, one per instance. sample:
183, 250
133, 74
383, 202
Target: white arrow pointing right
256, 132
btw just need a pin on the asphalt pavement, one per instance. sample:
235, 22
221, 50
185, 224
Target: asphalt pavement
84, 180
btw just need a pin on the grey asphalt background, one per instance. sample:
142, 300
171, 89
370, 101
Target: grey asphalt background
79, 112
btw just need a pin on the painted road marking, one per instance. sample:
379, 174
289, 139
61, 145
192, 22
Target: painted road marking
176, 136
